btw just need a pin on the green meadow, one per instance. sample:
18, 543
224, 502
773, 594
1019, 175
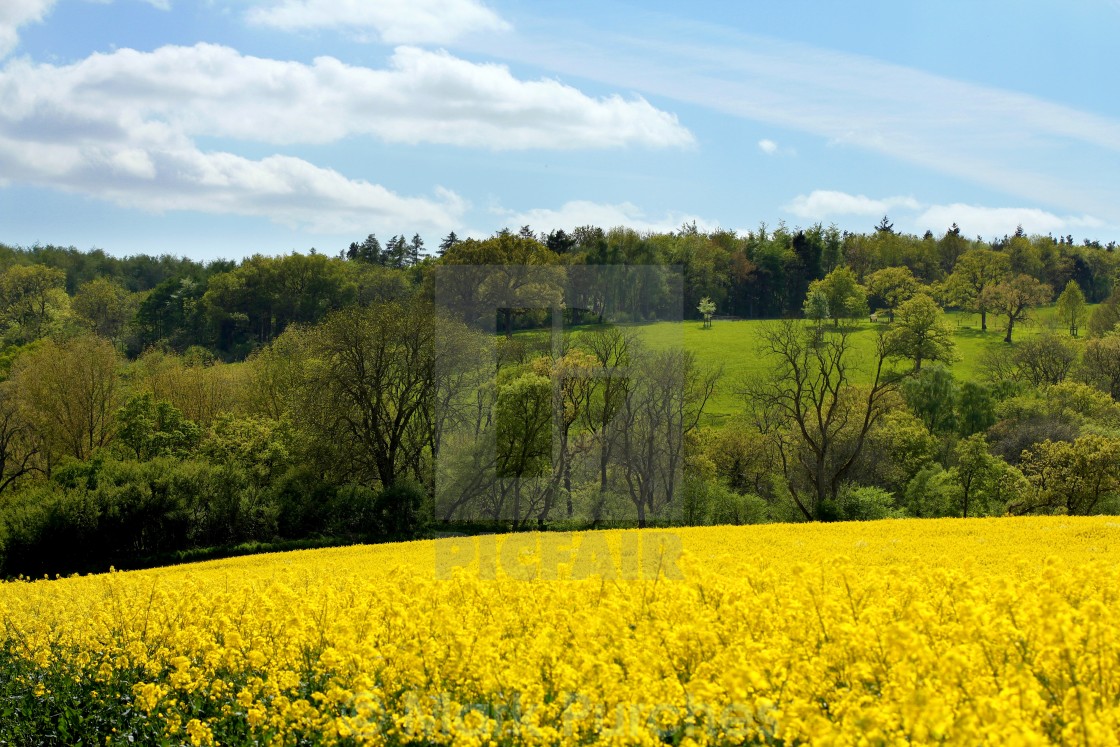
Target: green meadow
736, 346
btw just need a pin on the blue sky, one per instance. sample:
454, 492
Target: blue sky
216, 128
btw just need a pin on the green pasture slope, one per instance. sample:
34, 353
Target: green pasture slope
736, 346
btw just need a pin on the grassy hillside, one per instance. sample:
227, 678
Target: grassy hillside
735, 346
980, 631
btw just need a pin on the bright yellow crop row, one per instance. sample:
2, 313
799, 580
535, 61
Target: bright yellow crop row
990, 631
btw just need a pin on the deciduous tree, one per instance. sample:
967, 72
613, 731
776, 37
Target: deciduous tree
707, 307
1015, 298
1071, 307
19, 443
893, 286
1045, 359
919, 332
71, 392
976, 270
847, 299
105, 307
369, 379
30, 297
810, 405
1071, 478
1100, 364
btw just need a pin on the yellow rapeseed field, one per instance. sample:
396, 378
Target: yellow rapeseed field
986, 631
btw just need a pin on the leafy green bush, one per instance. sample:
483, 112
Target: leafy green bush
861, 503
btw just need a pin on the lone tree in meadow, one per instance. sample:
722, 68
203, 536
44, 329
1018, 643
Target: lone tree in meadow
919, 332
1071, 307
1015, 298
976, 271
707, 307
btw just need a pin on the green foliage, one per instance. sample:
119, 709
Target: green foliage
860, 503
919, 332
1100, 364
400, 510
524, 425
255, 302
150, 428
329, 430
892, 286
33, 301
258, 446
816, 305
975, 408
910, 444
70, 392
974, 273
105, 307
1071, 478
847, 299
1071, 307
707, 307
706, 502
982, 479
931, 493
931, 396
64, 705
1105, 317
1015, 298
1044, 359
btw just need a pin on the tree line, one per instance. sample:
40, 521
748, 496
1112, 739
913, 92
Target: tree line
151, 406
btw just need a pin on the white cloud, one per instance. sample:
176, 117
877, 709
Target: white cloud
421, 97
989, 222
122, 127
604, 215
17, 13
157, 170
394, 21
823, 203
769, 147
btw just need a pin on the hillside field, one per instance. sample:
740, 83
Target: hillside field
948, 631
734, 345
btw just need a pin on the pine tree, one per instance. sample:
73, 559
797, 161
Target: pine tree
415, 249
448, 241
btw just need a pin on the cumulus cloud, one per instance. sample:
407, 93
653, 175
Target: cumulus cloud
123, 126
394, 21
17, 13
823, 203
422, 96
605, 215
157, 170
769, 147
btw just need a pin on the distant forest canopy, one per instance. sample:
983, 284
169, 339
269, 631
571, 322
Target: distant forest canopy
231, 308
